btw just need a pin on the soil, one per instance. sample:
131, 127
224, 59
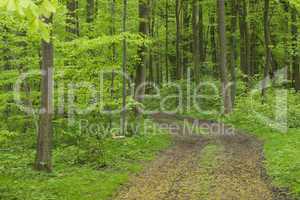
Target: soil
219, 163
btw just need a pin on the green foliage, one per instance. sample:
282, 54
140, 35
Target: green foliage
81, 171
32, 12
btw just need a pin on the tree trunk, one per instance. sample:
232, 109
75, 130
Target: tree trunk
222, 56
185, 20
151, 32
124, 70
90, 11
267, 48
295, 57
196, 46
244, 40
287, 61
140, 77
213, 44
113, 29
179, 68
72, 21
253, 40
233, 43
44, 141
201, 35
167, 41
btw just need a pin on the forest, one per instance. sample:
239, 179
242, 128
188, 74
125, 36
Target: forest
149, 99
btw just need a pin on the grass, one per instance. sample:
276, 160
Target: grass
73, 181
208, 163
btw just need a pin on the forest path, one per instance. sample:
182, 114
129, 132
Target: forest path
208, 161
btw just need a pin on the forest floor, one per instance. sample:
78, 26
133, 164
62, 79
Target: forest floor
210, 161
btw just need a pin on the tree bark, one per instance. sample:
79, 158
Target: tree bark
213, 44
124, 70
244, 40
140, 77
196, 41
44, 141
72, 21
90, 11
201, 35
222, 56
167, 41
179, 69
233, 43
295, 57
267, 48
113, 29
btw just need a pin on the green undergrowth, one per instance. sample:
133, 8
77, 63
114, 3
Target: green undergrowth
78, 179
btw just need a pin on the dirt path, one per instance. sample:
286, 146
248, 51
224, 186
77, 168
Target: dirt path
220, 164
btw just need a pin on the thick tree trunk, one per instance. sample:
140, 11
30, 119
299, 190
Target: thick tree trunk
140, 77
222, 56
44, 141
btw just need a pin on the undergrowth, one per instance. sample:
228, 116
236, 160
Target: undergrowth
82, 172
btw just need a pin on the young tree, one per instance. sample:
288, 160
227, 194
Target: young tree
44, 142
222, 56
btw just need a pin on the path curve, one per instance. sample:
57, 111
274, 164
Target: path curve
222, 164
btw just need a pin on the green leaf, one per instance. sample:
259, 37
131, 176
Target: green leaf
44, 31
3, 3
47, 8
25, 4
34, 25
11, 6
